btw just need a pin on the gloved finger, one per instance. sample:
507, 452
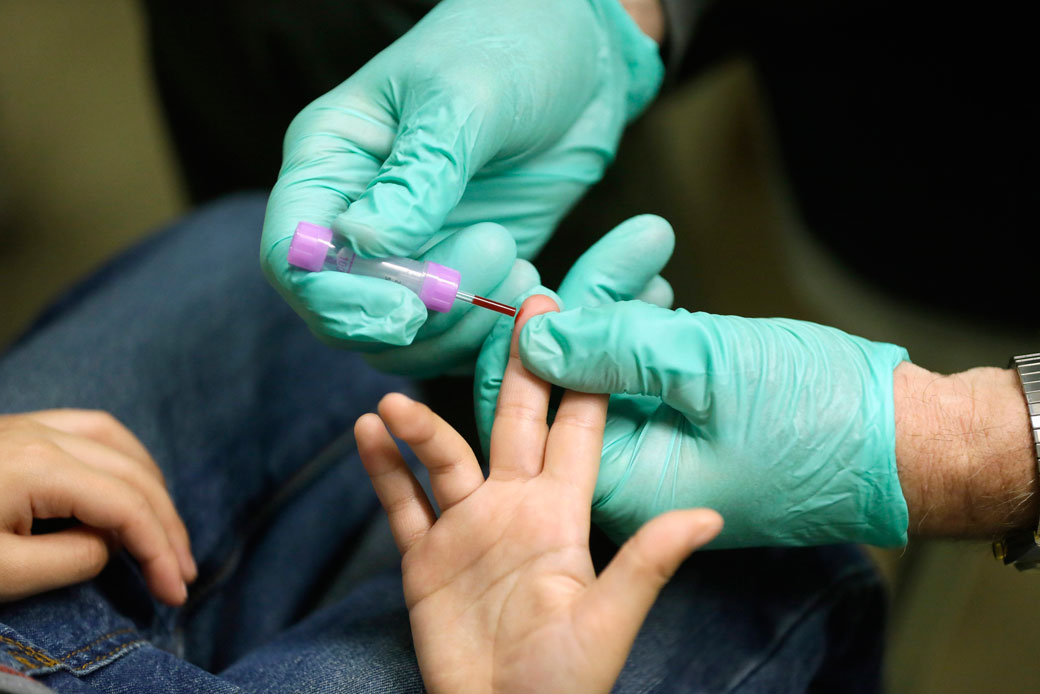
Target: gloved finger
530, 211
626, 414
343, 309
439, 146
459, 346
333, 148
628, 347
483, 255
337, 307
621, 265
491, 367
321, 174
658, 292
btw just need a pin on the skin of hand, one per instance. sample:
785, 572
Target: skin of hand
84, 465
489, 117
501, 590
965, 452
649, 15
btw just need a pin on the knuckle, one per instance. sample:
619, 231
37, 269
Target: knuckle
101, 422
583, 421
398, 506
104, 427
447, 466
419, 430
90, 556
408, 540
520, 412
26, 459
137, 506
35, 452
14, 422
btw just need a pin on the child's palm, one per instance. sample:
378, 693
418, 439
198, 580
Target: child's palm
501, 589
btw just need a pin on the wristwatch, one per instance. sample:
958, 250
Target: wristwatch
1022, 547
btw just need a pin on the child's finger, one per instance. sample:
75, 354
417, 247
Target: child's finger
454, 470
37, 563
617, 603
102, 427
67, 488
399, 492
107, 437
130, 470
520, 428
575, 444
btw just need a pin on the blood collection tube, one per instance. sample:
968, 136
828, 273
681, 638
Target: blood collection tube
315, 248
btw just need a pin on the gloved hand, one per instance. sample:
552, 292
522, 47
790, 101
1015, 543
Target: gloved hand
624, 264
784, 427
487, 110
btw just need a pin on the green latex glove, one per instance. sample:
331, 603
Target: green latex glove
624, 264
784, 427
499, 111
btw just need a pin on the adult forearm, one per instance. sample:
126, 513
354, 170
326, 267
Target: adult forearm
965, 452
649, 15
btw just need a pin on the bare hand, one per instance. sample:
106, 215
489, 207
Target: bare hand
501, 589
84, 465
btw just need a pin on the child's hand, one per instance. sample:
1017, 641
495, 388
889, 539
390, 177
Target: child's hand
501, 589
84, 465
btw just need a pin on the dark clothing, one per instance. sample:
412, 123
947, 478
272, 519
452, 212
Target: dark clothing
906, 136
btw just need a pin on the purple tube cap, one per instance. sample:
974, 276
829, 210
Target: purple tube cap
439, 287
309, 246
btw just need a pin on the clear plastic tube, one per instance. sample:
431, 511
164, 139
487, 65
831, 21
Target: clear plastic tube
316, 248
405, 271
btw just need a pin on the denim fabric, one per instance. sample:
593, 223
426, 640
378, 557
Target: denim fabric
250, 418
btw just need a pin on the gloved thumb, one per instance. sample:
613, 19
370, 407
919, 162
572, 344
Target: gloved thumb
623, 265
627, 347
437, 149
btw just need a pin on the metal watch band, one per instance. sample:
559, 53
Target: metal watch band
1022, 548
1028, 367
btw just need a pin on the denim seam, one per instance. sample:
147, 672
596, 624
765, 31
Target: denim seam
96, 641
86, 667
41, 658
42, 663
850, 579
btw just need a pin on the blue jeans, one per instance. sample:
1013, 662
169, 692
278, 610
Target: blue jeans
299, 590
